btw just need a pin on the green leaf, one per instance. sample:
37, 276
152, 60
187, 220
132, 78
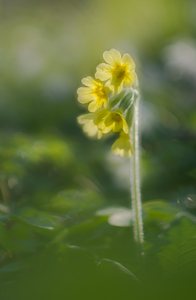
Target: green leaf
40, 219
159, 211
179, 254
74, 201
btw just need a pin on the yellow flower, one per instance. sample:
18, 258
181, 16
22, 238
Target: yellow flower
95, 93
103, 122
118, 71
122, 146
110, 121
88, 125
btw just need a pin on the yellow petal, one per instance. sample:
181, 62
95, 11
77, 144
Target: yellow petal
83, 90
116, 127
85, 100
128, 60
90, 129
88, 81
84, 95
122, 146
125, 127
112, 56
103, 72
84, 118
100, 116
93, 106
101, 121
89, 126
106, 129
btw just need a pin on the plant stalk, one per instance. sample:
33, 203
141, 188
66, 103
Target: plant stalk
136, 202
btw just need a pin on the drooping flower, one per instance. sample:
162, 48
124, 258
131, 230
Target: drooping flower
110, 121
118, 71
95, 93
103, 122
88, 125
122, 146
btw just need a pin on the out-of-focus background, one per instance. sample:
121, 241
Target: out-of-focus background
63, 196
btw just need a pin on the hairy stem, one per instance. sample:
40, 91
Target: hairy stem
135, 178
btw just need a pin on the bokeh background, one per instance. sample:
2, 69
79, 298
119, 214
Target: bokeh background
64, 199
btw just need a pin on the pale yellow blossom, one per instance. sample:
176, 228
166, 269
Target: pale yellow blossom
122, 146
110, 121
94, 93
118, 71
88, 125
109, 97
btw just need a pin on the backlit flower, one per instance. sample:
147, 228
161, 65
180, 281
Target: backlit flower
103, 122
118, 71
110, 98
95, 93
122, 146
88, 125
110, 121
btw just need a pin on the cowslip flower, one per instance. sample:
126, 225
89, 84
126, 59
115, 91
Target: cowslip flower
118, 71
122, 146
95, 93
103, 122
110, 121
110, 97
88, 125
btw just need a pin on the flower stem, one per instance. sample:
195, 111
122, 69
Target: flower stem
135, 178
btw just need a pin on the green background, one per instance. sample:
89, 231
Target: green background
64, 199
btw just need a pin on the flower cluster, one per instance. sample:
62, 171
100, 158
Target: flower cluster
109, 98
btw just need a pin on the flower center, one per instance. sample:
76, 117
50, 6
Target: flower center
100, 92
116, 118
119, 73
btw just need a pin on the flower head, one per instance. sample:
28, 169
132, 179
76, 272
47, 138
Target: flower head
118, 71
95, 93
110, 97
88, 125
103, 122
122, 146
110, 121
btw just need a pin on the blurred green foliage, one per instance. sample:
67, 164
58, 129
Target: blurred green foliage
64, 199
